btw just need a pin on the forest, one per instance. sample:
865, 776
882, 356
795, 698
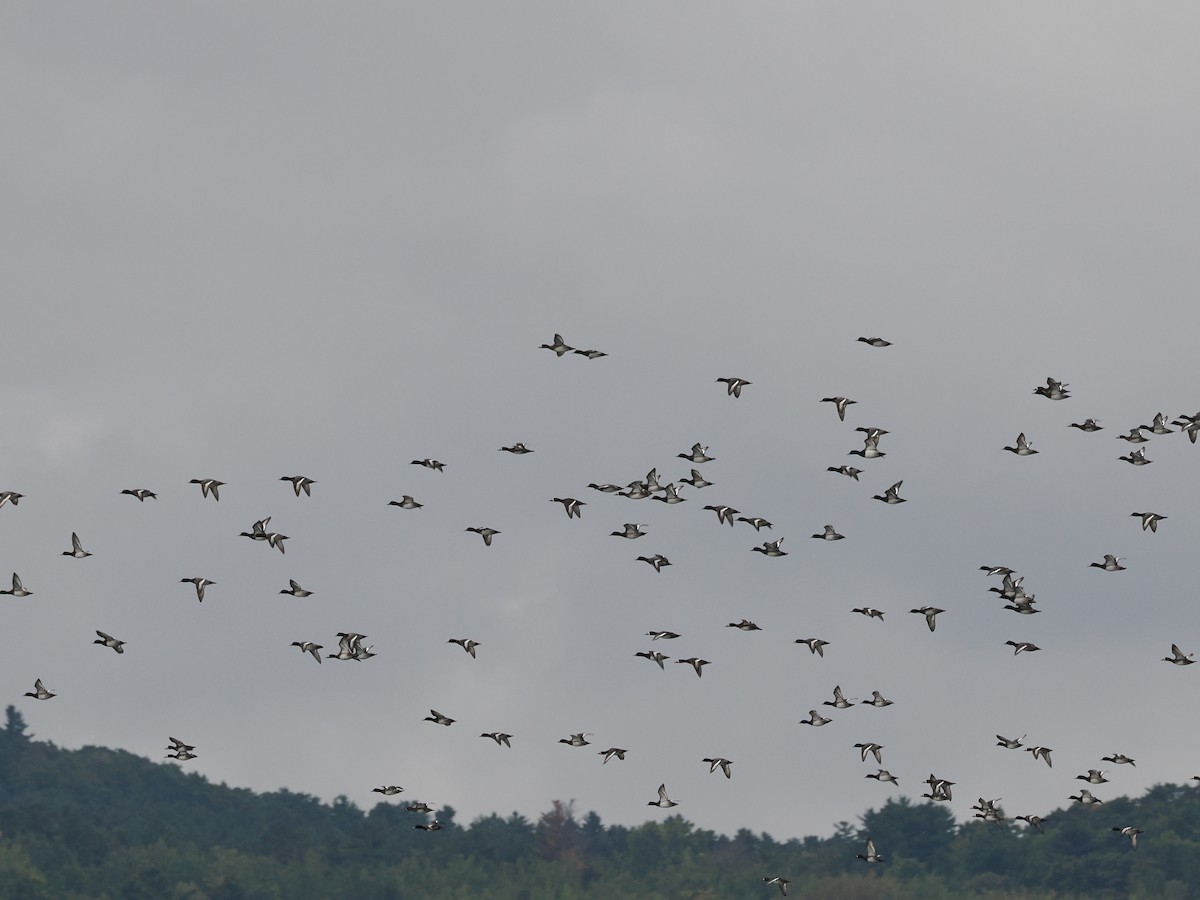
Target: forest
101, 823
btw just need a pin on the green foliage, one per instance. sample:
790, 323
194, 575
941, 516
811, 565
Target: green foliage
97, 823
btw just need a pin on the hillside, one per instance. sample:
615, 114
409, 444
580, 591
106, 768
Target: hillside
102, 823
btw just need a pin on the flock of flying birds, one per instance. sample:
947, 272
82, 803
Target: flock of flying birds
350, 646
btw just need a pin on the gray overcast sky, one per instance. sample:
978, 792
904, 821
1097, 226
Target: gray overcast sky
246, 241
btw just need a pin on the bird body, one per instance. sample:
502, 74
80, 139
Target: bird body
663, 801
840, 404
891, 495
209, 486
309, 647
657, 561
1022, 647
744, 625
849, 471
698, 455
1149, 520
715, 762
1178, 657
108, 640
466, 643
486, 533
76, 550
1110, 564
18, 589
930, 613
558, 346
815, 645
571, 505
770, 548
39, 691
200, 583
1023, 447
300, 483
734, 385
654, 656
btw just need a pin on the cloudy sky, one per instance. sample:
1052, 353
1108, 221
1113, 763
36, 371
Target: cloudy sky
243, 242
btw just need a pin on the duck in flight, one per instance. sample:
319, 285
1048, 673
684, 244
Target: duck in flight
715, 762
200, 584
1022, 647
829, 534
1178, 657
18, 589
558, 345
849, 471
107, 640
209, 486
309, 647
486, 533
757, 522
300, 483
891, 495
571, 505
770, 548
657, 560
930, 613
76, 550
698, 455
734, 385
39, 691
696, 480
871, 855
840, 404
1149, 520
632, 531
744, 625
696, 663
1023, 448
663, 801
815, 645
1054, 390
653, 656
140, 493
406, 502
466, 643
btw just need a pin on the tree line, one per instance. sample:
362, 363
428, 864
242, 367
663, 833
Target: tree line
101, 823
